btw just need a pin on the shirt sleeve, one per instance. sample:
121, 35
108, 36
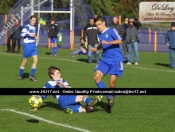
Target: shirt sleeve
65, 83
166, 38
24, 31
115, 35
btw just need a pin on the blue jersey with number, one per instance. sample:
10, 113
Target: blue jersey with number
111, 52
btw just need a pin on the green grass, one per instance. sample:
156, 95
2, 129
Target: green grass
129, 114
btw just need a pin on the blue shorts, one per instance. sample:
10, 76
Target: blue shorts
29, 50
53, 40
68, 101
113, 68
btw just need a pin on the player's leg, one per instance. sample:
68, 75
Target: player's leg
78, 108
19, 45
129, 54
55, 46
13, 45
96, 53
101, 69
52, 47
90, 102
33, 69
22, 66
136, 54
89, 53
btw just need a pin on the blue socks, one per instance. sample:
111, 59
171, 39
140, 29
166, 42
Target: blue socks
102, 85
78, 51
32, 72
54, 50
87, 100
21, 71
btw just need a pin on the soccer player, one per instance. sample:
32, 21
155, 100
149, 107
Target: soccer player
29, 48
69, 103
53, 31
112, 57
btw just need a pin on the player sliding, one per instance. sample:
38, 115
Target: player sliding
29, 48
112, 58
69, 103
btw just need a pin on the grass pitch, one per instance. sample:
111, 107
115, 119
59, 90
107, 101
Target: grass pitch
129, 114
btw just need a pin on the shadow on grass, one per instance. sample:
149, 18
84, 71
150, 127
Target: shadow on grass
25, 75
162, 64
83, 60
48, 53
32, 121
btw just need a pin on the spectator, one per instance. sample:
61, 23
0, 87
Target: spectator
125, 49
17, 36
91, 39
116, 26
82, 50
132, 40
170, 42
121, 31
10, 32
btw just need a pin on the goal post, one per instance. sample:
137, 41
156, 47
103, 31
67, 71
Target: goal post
71, 18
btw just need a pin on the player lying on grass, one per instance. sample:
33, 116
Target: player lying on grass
112, 57
82, 50
69, 103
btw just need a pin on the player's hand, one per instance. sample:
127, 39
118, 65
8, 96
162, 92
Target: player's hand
104, 42
34, 109
59, 83
36, 37
93, 49
32, 35
168, 44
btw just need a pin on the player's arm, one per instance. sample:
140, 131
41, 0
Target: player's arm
63, 83
97, 48
24, 32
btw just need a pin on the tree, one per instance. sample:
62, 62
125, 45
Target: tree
100, 7
6, 5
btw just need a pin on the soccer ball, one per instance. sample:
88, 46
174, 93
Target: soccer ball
35, 101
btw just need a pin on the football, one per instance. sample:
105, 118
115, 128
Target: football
35, 101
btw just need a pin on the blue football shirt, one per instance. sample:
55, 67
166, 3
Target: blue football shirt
111, 52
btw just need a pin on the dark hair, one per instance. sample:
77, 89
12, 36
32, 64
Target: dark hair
99, 18
33, 16
52, 19
51, 70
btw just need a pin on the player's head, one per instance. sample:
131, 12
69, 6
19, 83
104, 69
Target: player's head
100, 23
33, 20
173, 26
54, 72
115, 20
91, 21
52, 20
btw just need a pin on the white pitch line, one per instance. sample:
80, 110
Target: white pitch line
45, 120
152, 69
84, 62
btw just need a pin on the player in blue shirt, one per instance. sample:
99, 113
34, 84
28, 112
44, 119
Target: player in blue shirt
69, 103
29, 48
112, 57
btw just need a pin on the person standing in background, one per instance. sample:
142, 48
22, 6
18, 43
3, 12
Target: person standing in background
132, 40
124, 43
170, 42
17, 36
